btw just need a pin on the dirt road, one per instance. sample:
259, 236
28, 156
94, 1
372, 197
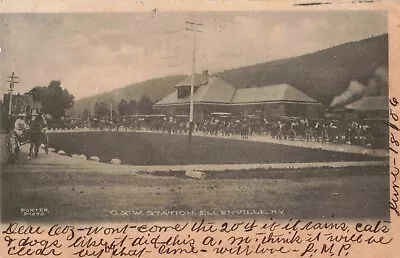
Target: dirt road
76, 191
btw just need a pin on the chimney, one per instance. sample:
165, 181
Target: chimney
205, 75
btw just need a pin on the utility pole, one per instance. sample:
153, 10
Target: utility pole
193, 27
12, 81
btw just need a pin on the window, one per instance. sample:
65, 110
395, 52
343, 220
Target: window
183, 92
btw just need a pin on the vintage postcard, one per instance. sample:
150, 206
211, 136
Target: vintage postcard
199, 129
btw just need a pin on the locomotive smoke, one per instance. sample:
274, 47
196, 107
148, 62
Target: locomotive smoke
377, 86
353, 92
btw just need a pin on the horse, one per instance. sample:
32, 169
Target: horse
302, 130
285, 131
309, 131
275, 130
226, 129
37, 136
318, 131
244, 130
214, 127
332, 132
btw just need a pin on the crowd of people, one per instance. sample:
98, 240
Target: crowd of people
321, 130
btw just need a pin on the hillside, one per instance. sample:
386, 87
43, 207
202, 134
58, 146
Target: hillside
155, 89
321, 75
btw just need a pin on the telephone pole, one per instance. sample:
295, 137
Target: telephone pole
192, 27
12, 81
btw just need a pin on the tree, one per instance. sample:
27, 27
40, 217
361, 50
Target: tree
123, 107
145, 105
132, 107
55, 100
85, 113
101, 109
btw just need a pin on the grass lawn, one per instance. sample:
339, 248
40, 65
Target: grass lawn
140, 148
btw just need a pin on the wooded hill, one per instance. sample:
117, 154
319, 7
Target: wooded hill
155, 89
322, 75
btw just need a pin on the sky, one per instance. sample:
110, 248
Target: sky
91, 53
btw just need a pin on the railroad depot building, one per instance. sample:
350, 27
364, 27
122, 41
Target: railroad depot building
212, 95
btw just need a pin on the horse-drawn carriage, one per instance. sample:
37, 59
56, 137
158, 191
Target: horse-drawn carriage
368, 133
35, 135
287, 128
220, 122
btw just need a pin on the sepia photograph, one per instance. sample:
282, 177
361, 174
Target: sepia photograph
187, 115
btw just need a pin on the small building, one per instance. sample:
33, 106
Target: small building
212, 94
369, 108
22, 104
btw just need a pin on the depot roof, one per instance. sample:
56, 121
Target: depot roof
215, 90
271, 93
370, 104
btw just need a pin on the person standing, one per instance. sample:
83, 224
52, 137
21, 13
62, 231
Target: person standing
20, 127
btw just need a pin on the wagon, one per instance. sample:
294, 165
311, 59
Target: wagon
12, 146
